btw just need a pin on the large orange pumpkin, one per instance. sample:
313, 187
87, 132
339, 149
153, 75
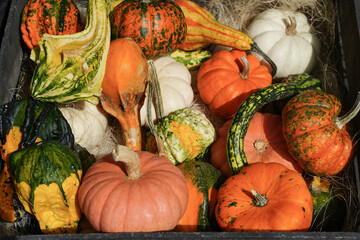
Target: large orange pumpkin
264, 142
123, 87
264, 197
227, 78
133, 191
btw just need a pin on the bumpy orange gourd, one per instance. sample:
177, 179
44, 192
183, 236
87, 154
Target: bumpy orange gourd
315, 134
123, 87
55, 17
133, 191
263, 142
264, 197
157, 26
228, 78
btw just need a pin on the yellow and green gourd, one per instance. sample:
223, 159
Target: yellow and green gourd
71, 67
46, 177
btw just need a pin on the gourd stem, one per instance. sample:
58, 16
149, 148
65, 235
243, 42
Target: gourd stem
343, 120
291, 28
260, 146
158, 97
244, 74
130, 158
159, 143
260, 200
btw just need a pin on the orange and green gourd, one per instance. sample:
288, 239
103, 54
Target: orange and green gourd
55, 17
203, 181
315, 134
46, 177
158, 26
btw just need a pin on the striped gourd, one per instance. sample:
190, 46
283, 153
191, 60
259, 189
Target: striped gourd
71, 67
203, 29
235, 140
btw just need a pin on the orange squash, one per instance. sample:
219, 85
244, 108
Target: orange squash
227, 78
123, 87
263, 142
264, 197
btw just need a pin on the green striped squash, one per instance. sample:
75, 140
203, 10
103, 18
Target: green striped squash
235, 140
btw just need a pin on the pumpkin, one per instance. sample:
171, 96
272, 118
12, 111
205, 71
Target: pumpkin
133, 191
288, 39
203, 29
46, 178
329, 205
291, 86
24, 122
186, 135
226, 79
175, 86
203, 181
315, 134
71, 67
158, 26
264, 197
83, 116
58, 17
123, 87
263, 142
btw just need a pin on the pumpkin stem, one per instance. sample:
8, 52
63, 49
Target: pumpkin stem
244, 74
291, 27
130, 158
260, 200
260, 146
342, 121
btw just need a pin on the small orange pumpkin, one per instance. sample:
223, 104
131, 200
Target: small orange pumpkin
227, 78
123, 87
264, 142
264, 197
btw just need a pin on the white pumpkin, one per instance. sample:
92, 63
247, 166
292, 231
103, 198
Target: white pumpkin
175, 85
90, 127
288, 39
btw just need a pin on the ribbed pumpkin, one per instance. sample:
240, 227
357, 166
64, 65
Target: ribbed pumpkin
46, 178
24, 122
264, 197
133, 191
226, 79
123, 87
315, 134
263, 142
203, 181
158, 26
56, 17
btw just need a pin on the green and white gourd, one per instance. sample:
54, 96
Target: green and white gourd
186, 134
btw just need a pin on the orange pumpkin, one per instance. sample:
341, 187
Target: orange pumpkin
264, 142
133, 191
227, 78
264, 197
123, 87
